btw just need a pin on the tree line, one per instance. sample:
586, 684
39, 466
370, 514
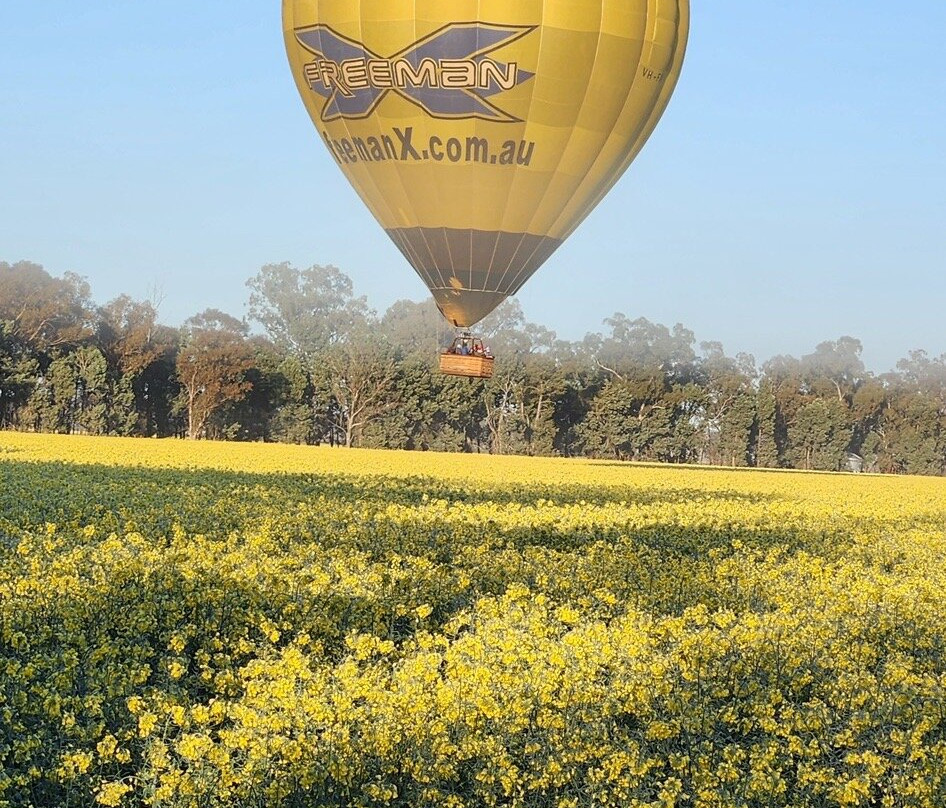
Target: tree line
326, 368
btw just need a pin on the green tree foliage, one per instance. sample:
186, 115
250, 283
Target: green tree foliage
128, 334
19, 369
359, 378
647, 402
725, 413
305, 311
415, 329
819, 435
72, 394
43, 312
212, 364
330, 370
766, 425
313, 315
292, 419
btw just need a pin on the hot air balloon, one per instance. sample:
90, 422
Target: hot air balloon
480, 133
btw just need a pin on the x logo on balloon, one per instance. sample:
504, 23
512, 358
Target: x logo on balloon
457, 41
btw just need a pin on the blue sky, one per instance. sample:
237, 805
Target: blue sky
794, 192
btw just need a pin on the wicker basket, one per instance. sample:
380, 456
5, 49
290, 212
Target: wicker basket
475, 367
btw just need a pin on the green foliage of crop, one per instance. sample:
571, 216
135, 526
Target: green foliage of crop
251, 625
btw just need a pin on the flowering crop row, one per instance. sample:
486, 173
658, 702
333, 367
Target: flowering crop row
234, 625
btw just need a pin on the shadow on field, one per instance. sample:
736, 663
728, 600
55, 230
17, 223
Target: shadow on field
324, 555
336, 510
52, 492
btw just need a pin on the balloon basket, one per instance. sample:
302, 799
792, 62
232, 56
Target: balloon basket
474, 367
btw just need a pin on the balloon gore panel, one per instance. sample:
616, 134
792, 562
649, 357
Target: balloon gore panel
470, 272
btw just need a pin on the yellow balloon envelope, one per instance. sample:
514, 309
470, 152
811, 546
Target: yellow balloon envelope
480, 133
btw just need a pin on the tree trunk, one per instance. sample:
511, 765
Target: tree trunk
191, 414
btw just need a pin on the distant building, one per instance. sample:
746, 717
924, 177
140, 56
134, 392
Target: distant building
854, 463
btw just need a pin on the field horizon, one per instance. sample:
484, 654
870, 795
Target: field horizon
13, 441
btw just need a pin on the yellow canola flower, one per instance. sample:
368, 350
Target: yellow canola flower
365, 628
112, 794
146, 724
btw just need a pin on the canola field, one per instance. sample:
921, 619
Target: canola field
197, 624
